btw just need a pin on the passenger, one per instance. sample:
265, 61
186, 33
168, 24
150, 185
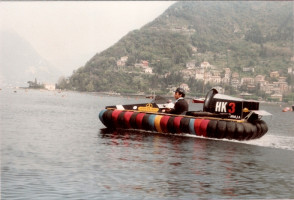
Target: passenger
181, 105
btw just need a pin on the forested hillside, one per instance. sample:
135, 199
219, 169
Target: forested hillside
230, 34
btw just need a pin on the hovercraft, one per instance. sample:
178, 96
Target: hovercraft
222, 117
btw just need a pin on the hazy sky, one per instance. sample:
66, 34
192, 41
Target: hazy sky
68, 34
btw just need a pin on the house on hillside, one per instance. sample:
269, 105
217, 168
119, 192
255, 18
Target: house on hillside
251, 87
282, 79
148, 70
227, 72
185, 87
235, 83
122, 61
235, 75
259, 78
225, 80
274, 74
267, 87
227, 77
281, 86
247, 80
145, 63
216, 72
207, 77
124, 58
199, 74
205, 65
215, 79
248, 69
194, 49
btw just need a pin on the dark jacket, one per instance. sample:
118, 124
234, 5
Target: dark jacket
181, 106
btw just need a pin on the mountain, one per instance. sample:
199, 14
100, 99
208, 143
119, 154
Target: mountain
235, 35
19, 62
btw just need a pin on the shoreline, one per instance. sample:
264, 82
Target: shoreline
290, 103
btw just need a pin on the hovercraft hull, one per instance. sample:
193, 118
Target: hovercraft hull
205, 126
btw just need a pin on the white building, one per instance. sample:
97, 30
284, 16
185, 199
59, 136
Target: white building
235, 83
50, 87
205, 65
215, 79
148, 70
226, 80
247, 80
122, 61
185, 87
199, 74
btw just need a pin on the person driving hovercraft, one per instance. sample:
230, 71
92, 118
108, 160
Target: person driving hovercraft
181, 105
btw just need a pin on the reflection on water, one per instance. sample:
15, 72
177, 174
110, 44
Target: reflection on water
183, 167
53, 146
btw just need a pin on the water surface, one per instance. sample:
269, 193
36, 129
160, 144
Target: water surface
53, 146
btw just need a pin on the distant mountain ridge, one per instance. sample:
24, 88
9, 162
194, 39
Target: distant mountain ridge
225, 34
20, 62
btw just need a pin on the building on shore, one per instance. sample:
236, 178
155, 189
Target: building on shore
49, 86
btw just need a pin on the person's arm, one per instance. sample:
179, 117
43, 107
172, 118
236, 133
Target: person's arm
176, 109
170, 110
180, 107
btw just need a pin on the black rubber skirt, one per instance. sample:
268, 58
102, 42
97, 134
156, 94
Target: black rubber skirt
205, 127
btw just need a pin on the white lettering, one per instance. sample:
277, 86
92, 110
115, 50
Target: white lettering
224, 108
218, 106
235, 117
221, 107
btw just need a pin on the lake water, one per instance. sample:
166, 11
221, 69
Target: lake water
52, 147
